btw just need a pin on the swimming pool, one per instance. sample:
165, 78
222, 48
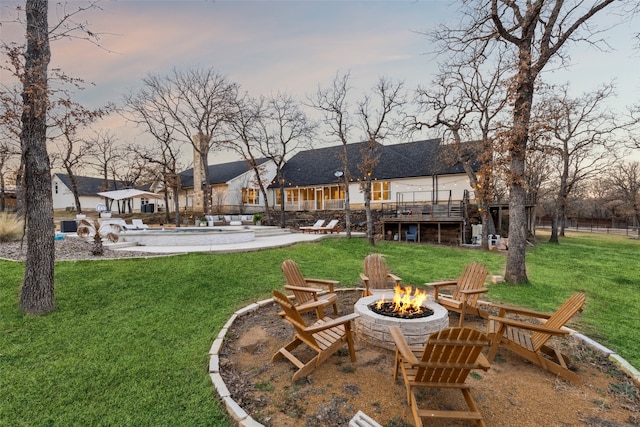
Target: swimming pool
189, 236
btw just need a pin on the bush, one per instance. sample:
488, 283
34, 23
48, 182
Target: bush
10, 227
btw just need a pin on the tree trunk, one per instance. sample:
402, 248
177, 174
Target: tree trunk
74, 190
347, 207
283, 198
367, 208
516, 270
554, 227
37, 294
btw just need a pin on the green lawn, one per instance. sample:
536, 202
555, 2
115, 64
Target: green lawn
128, 343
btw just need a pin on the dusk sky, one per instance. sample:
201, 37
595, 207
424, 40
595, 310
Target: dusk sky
287, 46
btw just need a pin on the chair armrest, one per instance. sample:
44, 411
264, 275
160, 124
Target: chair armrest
473, 291
529, 326
402, 346
303, 289
329, 283
331, 323
443, 283
522, 311
394, 278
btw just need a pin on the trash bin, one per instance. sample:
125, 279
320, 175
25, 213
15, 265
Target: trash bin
68, 226
151, 207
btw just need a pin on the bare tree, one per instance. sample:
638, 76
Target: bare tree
248, 137
198, 103
580, 137
10, 130
624, 180
70, 148
101, 156
465, 100
332, 102
288, 129
536, 30
377, 123
149, 112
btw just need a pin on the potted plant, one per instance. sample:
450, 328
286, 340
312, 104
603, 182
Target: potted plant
257, 219
203, 221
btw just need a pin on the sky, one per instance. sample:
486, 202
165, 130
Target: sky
286, 46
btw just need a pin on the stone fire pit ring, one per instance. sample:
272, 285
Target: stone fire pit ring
373, 328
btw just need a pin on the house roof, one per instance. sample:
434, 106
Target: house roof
220, 173
407, 160
88, 185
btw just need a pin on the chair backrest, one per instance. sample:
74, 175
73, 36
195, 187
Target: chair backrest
558, 319
292, 316
413, 229
473, 277
332, 224
376, 270
319, 223
294, 277
137, 222
451, 354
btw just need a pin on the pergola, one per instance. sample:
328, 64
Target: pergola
127, 194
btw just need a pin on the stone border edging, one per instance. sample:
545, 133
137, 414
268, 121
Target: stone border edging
245, 420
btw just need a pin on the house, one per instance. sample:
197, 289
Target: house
88, 189
419, 188
233, 186
409, 173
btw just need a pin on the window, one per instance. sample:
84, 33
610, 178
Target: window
381, 190
249, 196
56, 188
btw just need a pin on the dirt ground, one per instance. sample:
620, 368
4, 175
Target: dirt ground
513, 392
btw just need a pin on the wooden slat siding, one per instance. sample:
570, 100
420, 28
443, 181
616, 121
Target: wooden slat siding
573, 305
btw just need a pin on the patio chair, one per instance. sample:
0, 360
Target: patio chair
445, 362
332, 227
412, 233
530, 340
464, 299
138, 224
376, 276
121, 222
314, 228
307, 297
324, 337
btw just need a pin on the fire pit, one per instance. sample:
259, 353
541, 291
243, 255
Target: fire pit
414, 315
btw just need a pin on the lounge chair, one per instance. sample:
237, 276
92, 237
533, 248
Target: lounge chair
324, 337
332, 227
137, 224
530, 340
376, 275
307, 297
314, 228
468, 287
445, 362
121, 222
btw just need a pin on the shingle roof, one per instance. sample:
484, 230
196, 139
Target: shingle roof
407, 160
221, 173
88, 185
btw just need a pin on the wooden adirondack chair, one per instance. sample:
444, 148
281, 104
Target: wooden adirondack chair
445, 362
530, 340
324, 337
468, 287
376, 275
307, 297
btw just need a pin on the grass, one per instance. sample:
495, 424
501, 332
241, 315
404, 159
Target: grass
128, 342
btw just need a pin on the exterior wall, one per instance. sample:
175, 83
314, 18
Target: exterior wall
405, 190
248, 180
62, 195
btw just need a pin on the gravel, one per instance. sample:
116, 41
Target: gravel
69, 248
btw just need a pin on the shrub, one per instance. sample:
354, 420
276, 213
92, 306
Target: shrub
10, 227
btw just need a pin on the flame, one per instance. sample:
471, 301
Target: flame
404, 302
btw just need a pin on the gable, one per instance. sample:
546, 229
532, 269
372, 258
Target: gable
89, 186
220, 173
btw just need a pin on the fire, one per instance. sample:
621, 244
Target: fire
403, 302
